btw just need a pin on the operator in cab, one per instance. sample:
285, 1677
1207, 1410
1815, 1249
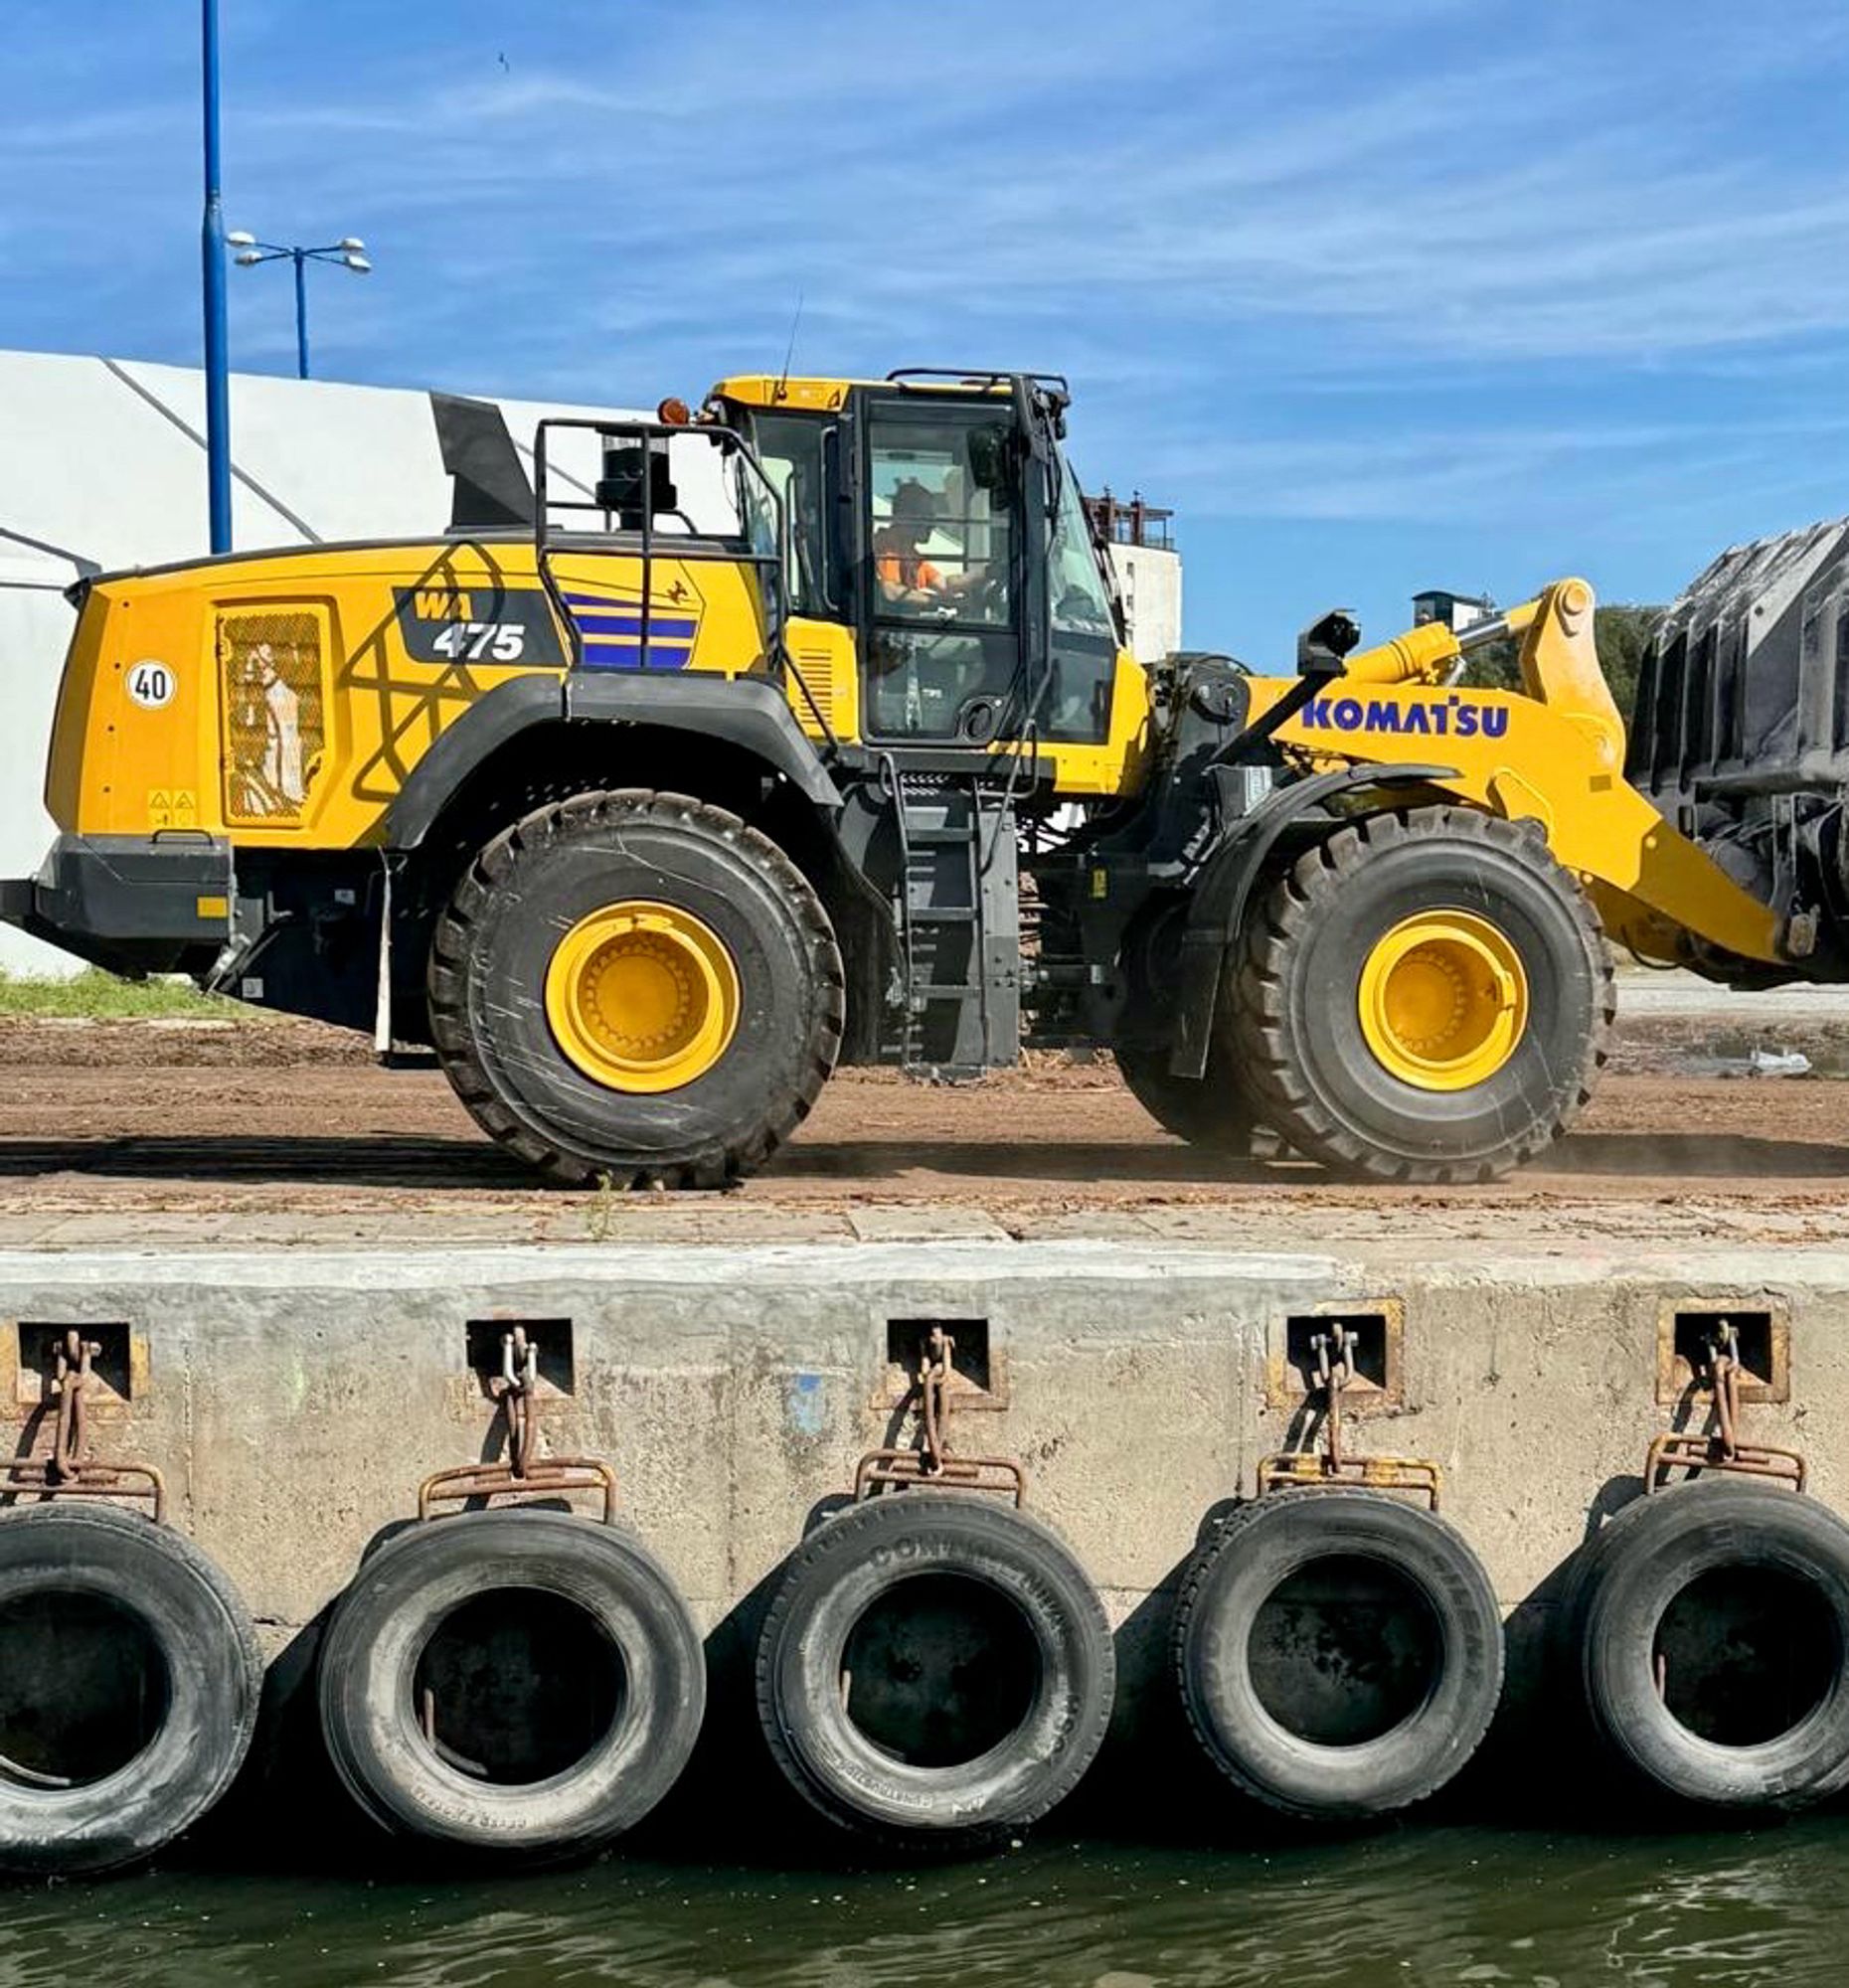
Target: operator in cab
906, 577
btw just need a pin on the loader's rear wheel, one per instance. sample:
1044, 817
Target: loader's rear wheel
1426, 996
637, 985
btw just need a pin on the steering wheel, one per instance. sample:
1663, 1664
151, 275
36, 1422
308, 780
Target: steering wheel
987, 591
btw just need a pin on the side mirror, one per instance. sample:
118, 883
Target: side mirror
1327, 643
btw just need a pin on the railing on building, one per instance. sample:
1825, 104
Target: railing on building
1131, 524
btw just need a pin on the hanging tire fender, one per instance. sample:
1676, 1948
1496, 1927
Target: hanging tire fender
852, 1562
203, 1679
400, 1599
1238, 1571
1617, 1591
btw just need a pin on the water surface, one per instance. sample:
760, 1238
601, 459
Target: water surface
1433, 1906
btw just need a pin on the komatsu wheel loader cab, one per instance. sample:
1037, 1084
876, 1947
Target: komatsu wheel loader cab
723, 750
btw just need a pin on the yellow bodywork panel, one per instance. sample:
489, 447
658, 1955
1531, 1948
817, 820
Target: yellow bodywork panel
825, 661
1553, 752
304, 686
772, 391
768, 390
283, 698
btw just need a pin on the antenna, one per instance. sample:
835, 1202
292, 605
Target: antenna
790, 351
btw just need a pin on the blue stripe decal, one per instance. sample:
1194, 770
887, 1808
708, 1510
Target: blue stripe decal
674, 626
628, 656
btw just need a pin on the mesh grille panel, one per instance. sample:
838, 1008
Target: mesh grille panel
270, 698
830, 686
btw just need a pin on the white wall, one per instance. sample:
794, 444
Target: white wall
103, 465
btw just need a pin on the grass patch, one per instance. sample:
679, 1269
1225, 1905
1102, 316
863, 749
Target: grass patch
95, 996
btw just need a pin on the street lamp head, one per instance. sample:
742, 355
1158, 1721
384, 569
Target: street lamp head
239, 240
350, 243
245, 258
359, 265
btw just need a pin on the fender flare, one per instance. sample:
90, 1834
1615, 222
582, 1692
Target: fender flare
1223, 888
747, 712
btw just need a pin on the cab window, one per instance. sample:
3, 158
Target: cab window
942, 536
1081, 604
790, 448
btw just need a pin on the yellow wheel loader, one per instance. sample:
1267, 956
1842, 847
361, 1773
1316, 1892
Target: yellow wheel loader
719, 751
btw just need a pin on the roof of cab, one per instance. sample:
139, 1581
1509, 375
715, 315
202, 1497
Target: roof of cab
770, 389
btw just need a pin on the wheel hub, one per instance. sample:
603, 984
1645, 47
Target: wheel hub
1444, 1000
642, 997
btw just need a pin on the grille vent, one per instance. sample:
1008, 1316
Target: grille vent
273, 706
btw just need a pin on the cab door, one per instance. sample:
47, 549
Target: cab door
941, 574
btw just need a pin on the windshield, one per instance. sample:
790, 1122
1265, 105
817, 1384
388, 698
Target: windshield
1081, 600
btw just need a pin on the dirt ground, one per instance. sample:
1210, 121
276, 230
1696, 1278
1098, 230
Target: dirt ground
284, 1120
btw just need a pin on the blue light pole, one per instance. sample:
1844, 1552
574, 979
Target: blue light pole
346, 254
218, 339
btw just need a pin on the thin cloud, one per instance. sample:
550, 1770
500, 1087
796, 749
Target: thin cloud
1406, 267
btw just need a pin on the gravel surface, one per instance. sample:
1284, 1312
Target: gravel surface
295, 1124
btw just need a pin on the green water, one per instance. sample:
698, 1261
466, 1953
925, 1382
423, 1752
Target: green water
1426, 1906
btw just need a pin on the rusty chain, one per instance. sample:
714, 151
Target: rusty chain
1332, 1369
1720, 1448
72, 1375
1335, 1367
519, 1380
933, 1461
523, 1470
70, 1470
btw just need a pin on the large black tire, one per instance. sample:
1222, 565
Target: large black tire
492, 947
161, 1626
1059, 1675
640, 1656
1613, 1608
1293, 1025
1446, 1610
1214, 1111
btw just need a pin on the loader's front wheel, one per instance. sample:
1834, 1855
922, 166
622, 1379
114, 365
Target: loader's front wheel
1208, 1111
640, 986
1425, 996
1213, 1110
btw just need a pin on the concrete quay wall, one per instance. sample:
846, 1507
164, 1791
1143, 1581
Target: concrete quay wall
294, 1399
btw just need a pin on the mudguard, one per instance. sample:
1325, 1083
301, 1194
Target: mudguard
749, 711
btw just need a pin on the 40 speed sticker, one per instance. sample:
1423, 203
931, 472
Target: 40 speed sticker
151, 685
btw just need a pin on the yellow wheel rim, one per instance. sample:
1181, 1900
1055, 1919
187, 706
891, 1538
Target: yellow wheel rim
1444, 1000
642, 997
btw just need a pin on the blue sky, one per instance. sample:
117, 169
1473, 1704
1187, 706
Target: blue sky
1377, 293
